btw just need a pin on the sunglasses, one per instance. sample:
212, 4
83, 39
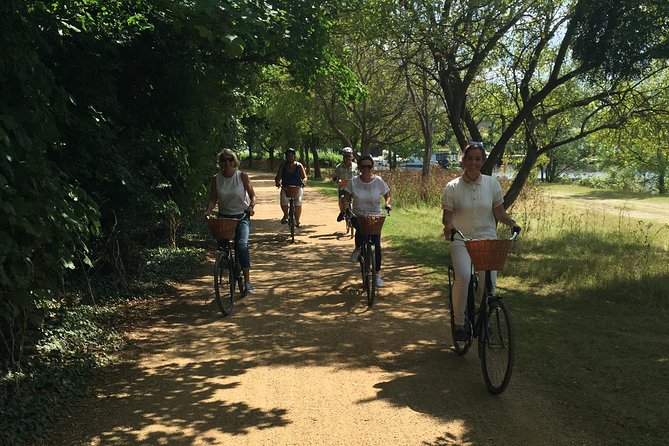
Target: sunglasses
365, 166
227, 160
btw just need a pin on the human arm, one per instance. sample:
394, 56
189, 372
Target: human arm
211, 203
249, 190
502, 216
303, 175
277, 178
447, 220
386, 196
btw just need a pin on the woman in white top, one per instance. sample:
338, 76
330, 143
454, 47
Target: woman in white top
366, 190
472, 203
231, 189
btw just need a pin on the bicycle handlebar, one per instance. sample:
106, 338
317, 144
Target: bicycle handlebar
514, 233
348, 212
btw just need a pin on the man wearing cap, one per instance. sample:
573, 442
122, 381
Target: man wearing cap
343, 173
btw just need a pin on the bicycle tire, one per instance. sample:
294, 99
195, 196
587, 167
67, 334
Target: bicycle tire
291, 220
371, 275
498, 346
224, 289
461, 347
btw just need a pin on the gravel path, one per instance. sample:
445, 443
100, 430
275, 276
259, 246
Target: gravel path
303, 361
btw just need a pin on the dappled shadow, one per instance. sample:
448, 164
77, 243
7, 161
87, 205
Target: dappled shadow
308, 310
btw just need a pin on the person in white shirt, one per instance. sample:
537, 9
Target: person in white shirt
343, 173
473, 204
231, 189
366, 190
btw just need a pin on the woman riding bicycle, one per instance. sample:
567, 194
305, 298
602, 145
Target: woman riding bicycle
291, 173
366, 189
231, 189
472, 203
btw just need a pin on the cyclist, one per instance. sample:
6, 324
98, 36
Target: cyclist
472, 203
291, 173
231, 189
345, 170
366, 189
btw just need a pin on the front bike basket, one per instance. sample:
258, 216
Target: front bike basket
488, 255
291, 191
223, 228
371, 224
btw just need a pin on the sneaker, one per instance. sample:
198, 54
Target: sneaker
355, 255
284, 220
249, 288
378, 281
340, 217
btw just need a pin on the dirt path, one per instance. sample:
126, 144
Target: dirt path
304, 361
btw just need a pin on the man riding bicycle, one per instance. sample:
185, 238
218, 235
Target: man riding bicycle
343, 173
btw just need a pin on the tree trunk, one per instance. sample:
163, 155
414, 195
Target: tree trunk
661, 185
523, 174
317, 166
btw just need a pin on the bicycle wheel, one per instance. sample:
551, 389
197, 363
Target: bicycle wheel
291, 220
498, 346
461, 347
370, 267
241, 282
224, 284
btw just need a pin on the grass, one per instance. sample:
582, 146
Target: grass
589, 293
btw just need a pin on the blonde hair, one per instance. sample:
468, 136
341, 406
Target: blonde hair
222, 154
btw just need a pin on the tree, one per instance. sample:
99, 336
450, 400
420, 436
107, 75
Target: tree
540, 49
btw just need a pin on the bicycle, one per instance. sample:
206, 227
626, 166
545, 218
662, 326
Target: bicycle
291, 193
227, 270
369, 225
347, 215
491, 324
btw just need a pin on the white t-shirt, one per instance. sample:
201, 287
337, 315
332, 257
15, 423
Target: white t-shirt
232, 196
367, 196
471, 203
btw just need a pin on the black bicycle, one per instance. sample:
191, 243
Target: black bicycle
228, 274
291, 193
369, 225
491, 323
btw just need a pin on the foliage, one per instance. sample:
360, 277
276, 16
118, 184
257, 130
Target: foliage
76, 339
110, 116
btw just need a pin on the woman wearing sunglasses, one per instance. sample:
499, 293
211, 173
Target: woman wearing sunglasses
366, 190
231, 189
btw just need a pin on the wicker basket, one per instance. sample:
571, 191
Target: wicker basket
223, 228
488, 255
291, 191
371, 224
